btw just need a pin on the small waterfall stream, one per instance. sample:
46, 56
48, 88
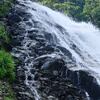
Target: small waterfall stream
77, 43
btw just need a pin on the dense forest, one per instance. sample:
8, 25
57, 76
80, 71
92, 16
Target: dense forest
79, 10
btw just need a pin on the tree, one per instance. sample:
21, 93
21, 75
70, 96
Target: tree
80, 10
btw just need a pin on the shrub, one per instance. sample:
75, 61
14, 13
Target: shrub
7, 66
8, 98
3, 34
5, 7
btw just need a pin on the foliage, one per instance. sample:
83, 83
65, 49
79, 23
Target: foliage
91, 11
7, 98
5, 6
6, 91
6, 60
7, 66
96, 16
80, 10
3, 33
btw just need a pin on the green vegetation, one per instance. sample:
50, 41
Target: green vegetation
5, 6
3, 34
80, 10
7, 66
91, 11
6, 60
6, 91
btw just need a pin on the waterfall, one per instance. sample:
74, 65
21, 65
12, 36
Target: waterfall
80, 39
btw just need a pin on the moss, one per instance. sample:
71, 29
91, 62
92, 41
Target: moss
7, 66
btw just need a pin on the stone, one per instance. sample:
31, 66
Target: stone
43, 59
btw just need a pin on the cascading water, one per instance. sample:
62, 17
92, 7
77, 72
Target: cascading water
77, 43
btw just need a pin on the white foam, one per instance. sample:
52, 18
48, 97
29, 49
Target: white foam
85, 36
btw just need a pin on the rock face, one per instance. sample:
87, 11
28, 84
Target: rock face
84, 80
52, 80
42, 71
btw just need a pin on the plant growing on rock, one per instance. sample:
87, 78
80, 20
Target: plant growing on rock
3, 34
5, 6
7, 66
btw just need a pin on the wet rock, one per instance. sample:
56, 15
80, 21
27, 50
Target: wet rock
42, 63
51, 79
29, 78
86, 81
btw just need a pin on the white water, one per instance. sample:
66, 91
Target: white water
85, 36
